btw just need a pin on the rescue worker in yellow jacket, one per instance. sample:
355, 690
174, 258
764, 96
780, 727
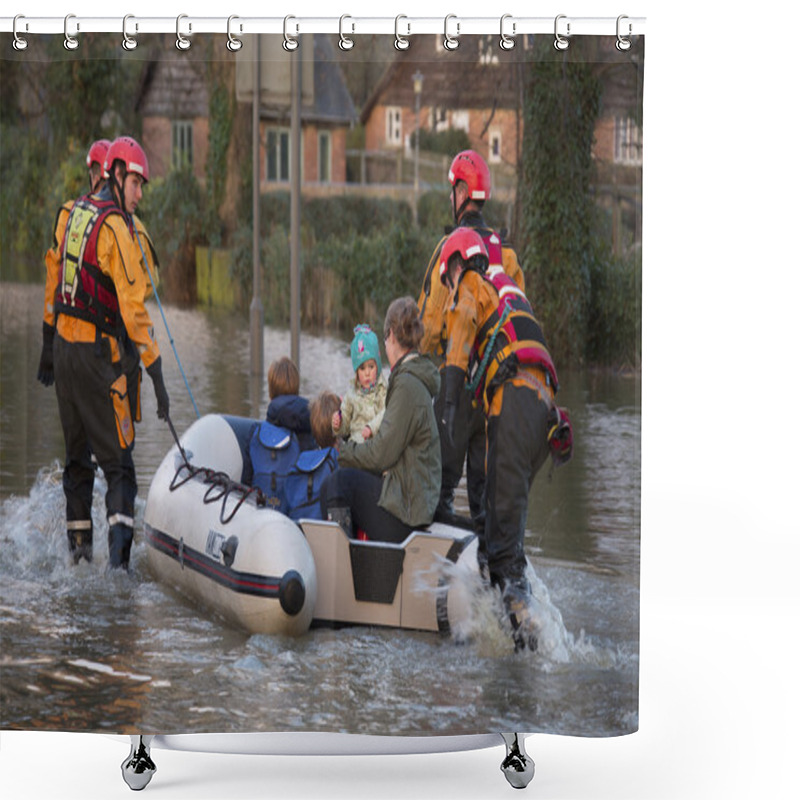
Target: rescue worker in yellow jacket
471, 184
95, 163
99, 305
495, 347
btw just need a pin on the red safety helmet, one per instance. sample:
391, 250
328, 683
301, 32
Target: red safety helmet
469, 167
129, 151
468, 243
97, 153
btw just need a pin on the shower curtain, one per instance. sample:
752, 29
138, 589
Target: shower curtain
87, 649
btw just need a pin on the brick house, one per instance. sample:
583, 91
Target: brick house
173, 104
478, 88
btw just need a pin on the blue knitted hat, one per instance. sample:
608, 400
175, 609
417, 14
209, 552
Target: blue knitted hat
364, 347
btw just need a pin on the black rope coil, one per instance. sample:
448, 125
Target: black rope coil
220, 487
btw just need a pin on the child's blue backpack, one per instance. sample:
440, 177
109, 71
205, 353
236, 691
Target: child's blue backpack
273, 453
303, 485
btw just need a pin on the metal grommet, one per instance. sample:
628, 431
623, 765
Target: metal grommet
345, 43
623, 42
561, 42
128, 42
451, 42
401, 42
182, 42
507, 42
290, 43
233, 44
70, 42
19, 43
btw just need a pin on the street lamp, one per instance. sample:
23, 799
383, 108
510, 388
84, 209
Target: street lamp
418, 78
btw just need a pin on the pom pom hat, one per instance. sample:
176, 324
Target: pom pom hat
364, 347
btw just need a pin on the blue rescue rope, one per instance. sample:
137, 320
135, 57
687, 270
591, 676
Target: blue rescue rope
163, 316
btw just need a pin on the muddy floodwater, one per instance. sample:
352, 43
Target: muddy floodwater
83, 649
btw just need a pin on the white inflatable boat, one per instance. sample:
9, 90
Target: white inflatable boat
215, 540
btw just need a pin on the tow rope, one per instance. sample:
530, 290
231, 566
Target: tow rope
163, 316
220, 484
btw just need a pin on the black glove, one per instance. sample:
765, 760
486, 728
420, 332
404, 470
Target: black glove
45, 374
453, 380
162, 398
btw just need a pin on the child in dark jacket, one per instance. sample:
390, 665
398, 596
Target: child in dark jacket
287, 408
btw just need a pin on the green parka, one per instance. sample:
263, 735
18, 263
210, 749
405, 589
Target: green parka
405, 449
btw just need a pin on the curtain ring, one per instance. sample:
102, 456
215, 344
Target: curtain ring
401, 42
233, 44
451, 42
70, 42
128, 42
290, 43
182, 42
345, 43
19, 43
623, 42
507, 42
561, 42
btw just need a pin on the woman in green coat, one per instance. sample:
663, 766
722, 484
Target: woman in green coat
389, 485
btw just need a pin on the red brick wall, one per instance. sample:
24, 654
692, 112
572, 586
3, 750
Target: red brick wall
157, 144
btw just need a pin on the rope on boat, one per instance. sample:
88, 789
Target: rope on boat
220, 484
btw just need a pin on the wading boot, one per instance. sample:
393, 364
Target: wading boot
80, 544
342, 516
120, 539
518, 604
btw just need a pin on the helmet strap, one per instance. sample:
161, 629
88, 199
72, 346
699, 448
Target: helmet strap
457, 212
119, 193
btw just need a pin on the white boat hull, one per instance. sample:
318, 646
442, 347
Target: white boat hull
266, 574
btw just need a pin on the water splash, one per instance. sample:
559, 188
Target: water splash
477, 617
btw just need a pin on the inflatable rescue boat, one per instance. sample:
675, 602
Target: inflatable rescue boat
216, 540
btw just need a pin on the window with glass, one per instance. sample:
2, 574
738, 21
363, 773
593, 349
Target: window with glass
495, 147
324, 157
627, 141
182, 144
278, 154
394, 127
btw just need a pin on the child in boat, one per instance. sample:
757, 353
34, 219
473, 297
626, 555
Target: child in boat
323, 407
286, 407
364, 404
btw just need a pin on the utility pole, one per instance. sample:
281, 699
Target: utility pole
256, 306
294, 239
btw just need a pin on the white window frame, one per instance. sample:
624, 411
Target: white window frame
487, 51
495, 146
459, 120
182, 143
627, 141
394, 126
279, 138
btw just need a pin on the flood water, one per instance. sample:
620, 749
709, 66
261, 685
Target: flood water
84, 649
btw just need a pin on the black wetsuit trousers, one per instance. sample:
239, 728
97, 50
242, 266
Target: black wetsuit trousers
360, 491
469, 444
83, 377
516, 450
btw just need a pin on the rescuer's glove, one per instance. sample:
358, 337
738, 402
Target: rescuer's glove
45, 375
162, 398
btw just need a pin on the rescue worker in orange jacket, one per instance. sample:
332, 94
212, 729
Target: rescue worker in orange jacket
95, 163
99, 303
495, 347
471, 184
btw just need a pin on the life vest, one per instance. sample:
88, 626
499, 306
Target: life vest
83, 290
510, 336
